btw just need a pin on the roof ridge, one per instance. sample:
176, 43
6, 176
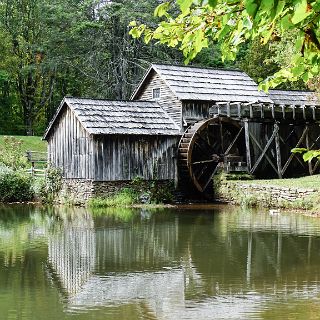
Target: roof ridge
111, 100
294, 90
197, 67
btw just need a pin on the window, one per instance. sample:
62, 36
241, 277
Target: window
156, 93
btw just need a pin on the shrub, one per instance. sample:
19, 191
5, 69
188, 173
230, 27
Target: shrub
12, 155
15, 185
125, 197
46, 189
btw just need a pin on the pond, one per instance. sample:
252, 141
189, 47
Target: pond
217, 262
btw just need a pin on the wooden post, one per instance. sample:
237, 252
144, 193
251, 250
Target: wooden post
278, 150
308, 146
264, 152
228, 109
292, 154
247, 141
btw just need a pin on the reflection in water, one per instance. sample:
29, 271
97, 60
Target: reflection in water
190, 264
71, 252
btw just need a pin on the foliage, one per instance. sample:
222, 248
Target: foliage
232, 23
15, 185
307, 154
125, 197
152, 191
47, 189
121, 214
50, 49
11, 154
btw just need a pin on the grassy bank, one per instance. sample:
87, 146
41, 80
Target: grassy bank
296, 193
29, 143
309, 182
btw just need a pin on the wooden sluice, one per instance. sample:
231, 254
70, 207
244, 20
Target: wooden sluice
256, 138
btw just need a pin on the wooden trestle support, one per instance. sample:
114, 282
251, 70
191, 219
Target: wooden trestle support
261, 148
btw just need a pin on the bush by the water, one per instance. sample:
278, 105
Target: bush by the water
15, 185
125, 197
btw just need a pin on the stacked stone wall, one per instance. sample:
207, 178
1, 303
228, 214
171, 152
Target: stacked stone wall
79, 191
264, 195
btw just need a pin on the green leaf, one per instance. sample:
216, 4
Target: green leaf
213, 3
161, 9
251, 8
184, 5
300, 11
299, 150
298, 70
280, 7
266, 5
286, 23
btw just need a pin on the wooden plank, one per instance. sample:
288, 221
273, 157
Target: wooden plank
272, 111
278, 151
234, 141
286, 165
297, 158
308, 147
293, 112
247, 142
264, 151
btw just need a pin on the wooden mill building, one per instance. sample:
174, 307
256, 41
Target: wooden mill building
182, 124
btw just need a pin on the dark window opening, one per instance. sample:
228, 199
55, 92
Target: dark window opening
156, 93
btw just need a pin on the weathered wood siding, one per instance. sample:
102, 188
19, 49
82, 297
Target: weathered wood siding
70, 147
193, 111
125, 157
169, 102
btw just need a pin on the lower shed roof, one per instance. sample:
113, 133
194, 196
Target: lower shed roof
101, 117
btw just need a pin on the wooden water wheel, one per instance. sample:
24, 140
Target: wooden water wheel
204, 146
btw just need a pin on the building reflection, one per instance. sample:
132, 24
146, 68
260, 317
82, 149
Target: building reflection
170, 262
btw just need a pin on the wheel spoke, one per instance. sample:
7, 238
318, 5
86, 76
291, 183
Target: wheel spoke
204, 161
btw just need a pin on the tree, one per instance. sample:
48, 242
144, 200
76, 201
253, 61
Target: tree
234, 22
50, 49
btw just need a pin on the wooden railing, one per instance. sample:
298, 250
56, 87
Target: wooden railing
38, 163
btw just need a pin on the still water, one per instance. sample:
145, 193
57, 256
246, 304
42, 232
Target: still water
206, 263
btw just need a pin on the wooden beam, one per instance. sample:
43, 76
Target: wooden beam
278, 150
272, 110
293, 112
313, 112
303, 111
261, 110
228, 109
264, 151
296, 156
247, 142
285, 167
308, 147
210, 177
283, 111
234, 141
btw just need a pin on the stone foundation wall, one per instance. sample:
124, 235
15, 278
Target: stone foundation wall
264, 195
81, 190
76, 191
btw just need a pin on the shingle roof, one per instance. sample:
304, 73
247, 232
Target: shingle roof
206, 84
120, 117
298, 98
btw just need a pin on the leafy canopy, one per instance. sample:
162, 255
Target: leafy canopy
190, 24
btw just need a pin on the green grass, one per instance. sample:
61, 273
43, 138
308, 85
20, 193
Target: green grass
124, 198
30, 143
309, 182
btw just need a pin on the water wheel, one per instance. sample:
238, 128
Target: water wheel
204, 146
